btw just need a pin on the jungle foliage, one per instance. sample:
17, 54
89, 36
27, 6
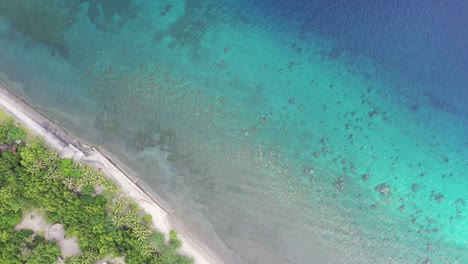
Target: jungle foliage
89, 206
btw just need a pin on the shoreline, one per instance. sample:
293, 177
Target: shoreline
70, 147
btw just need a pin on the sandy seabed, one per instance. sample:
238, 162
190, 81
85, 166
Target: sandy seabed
69, 147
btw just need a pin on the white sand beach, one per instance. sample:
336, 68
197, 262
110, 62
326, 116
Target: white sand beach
69, 147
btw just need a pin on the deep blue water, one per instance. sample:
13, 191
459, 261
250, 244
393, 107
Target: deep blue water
418, 41
279, 131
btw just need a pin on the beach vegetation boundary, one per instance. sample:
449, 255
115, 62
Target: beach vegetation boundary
88, 205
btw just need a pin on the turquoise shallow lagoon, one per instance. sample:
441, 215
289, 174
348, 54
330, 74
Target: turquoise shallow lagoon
292, 132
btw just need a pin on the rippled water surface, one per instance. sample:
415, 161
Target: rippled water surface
280, 132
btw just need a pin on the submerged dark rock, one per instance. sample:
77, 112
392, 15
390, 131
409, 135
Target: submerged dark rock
339, 184
365, 177
383, 189
402, 208
437, 196
427, 261
373, 113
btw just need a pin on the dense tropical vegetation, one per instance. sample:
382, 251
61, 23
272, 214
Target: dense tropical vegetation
89, 206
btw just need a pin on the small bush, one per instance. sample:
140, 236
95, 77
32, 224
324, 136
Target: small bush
9, 132
147, 218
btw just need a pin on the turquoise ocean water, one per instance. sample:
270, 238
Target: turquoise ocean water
279, 132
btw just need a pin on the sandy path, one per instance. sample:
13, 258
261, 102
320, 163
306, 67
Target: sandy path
35, 221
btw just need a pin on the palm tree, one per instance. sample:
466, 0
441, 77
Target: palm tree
90, 256
157, 260
146, 251
89, 172
69, 183
108, 185
25, 252
49, 177
79, 183
37, 166
53, 176
133, 219
41, 164
117, 220
142, 233
120, 205
51, 168
51, 159
74, 260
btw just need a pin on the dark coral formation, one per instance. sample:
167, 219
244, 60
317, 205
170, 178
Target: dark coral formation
365, 177
111, 15
339, 184
44, 21
47, 21
191, 27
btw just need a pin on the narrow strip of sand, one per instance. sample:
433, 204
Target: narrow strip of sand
70, 147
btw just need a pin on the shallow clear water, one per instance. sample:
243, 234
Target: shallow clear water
280, 132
